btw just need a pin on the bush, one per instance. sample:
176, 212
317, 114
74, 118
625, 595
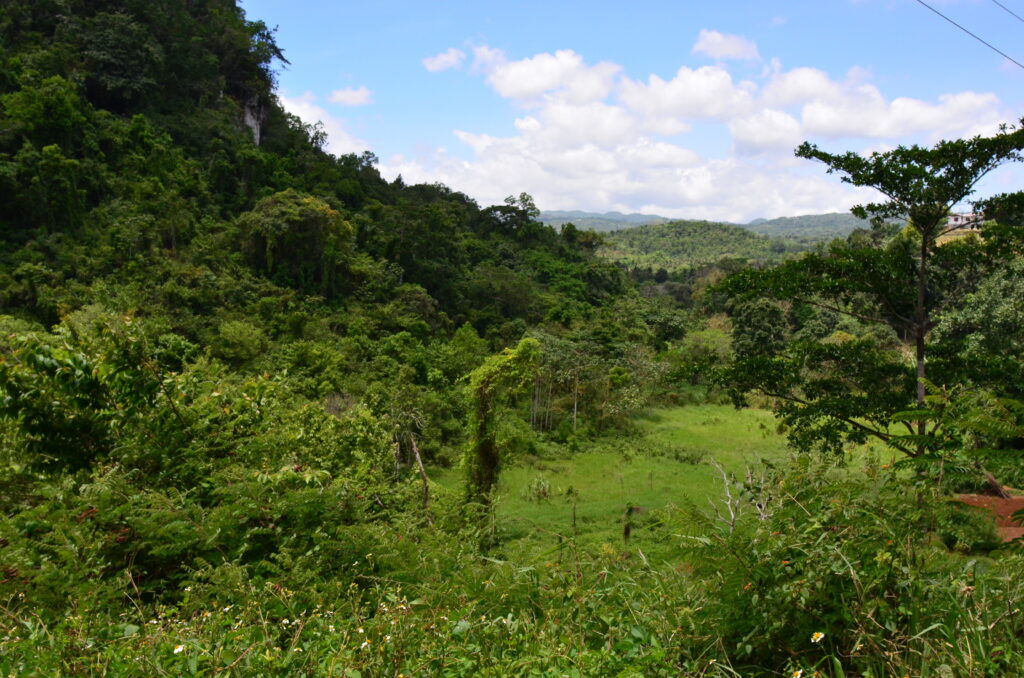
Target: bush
823, 550
238, 342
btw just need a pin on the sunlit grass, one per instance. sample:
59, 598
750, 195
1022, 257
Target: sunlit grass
670, 462
549, 504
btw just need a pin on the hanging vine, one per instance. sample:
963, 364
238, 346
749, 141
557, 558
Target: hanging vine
501, 378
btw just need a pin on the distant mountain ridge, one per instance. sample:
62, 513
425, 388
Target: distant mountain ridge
807, 228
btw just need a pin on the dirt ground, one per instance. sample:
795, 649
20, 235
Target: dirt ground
1003, 510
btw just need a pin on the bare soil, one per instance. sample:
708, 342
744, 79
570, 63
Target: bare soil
1002, 510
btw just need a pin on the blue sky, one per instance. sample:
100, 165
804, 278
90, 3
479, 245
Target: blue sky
685, 109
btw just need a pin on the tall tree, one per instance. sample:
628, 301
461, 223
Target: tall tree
832, 391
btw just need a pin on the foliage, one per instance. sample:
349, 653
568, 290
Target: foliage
829, 571
500, 377
298, 241
810, 228
836, 389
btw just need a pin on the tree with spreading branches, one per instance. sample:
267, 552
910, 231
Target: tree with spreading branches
848, 387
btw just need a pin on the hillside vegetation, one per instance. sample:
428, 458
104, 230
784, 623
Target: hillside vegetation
681, 245
810, 228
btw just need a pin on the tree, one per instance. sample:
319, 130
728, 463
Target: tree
500, 377
298, 240
983, 334
849, 387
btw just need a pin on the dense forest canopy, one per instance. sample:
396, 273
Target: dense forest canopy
256, 401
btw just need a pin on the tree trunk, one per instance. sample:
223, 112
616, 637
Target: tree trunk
575, 399
423, 476
536, 401
547, 426
920, 332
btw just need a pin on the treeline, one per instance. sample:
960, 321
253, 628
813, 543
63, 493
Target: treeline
810, 228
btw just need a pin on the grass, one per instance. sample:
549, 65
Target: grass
545, 502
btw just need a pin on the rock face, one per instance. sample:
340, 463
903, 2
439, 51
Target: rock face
1002, 510
252, 117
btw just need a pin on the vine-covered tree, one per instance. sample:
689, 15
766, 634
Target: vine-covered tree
500, 377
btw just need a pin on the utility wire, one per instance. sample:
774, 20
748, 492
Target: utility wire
989, 45
1019, 18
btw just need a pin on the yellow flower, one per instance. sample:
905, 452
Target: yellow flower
817, 636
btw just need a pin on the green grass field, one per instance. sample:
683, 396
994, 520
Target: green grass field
668, 463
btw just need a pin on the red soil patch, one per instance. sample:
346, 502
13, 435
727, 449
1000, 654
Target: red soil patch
1002, 510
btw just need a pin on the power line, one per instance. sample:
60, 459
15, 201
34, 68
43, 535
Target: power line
991, 47
1008, 10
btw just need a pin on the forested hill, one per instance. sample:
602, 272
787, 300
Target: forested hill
608, 221
811, 227
681, 245
266, 413
203, 308
140, 136
168, 231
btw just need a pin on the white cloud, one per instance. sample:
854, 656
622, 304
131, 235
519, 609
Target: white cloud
799, 85
563, 73
705, 93
863, 112
352, 96
586, 136
723, 46
647, 176
450, 58
339, 141
853, 107
767, 130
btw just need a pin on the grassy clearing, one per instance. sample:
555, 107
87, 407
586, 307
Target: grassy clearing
668, 461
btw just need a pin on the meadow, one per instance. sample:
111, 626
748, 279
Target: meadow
668, 460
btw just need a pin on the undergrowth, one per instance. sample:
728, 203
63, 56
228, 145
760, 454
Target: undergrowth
803, 567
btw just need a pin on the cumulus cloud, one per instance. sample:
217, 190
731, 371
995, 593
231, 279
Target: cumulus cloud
800, 85
352, 96
647, 176
864, 112
563, 73
767, 130
450, 58
705, 93
723, 46
587, 136
339, 141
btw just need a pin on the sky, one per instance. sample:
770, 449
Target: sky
682, 109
